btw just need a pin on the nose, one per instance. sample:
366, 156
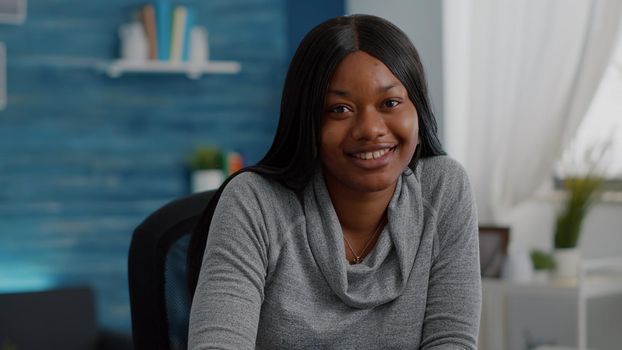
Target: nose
369, 124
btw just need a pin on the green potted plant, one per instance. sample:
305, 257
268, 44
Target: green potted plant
580, 194
543, 264
206, 169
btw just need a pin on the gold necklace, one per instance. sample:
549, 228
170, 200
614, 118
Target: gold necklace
358, 257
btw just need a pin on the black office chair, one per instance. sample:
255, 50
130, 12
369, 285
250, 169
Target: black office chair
159, 294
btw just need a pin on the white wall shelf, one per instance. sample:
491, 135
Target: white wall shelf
193, 70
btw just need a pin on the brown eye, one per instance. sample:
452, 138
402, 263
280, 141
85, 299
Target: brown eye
338, 109
391, 103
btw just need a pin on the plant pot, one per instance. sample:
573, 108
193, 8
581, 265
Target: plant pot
568, 260
205, 180
541, 276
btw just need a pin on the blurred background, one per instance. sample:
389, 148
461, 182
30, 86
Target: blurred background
527, 94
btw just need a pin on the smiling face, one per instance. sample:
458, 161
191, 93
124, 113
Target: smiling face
369, 129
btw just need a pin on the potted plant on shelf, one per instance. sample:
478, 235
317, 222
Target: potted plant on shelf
580, 194
543, 263
206, 169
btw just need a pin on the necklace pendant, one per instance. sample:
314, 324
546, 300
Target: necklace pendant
356, 260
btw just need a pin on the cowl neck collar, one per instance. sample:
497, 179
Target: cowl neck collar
384, 273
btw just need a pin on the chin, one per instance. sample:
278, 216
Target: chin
373, 182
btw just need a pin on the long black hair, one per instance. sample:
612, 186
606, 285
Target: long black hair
294, 151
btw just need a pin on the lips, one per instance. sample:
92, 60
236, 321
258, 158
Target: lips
373, 158
372, 155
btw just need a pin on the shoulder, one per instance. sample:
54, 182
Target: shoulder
445, 186
441, 173
255, 191
446, 190
248, 183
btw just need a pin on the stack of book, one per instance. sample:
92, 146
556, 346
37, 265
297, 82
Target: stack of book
168, 30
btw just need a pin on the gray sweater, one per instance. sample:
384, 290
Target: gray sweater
274, 274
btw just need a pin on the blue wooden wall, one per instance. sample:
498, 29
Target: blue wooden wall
84, 158
302, 16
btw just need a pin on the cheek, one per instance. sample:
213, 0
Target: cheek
408, 129
329, 140
416, 130
409, 133
332, 133
325, 139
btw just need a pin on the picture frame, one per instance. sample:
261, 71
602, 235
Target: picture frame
493, 245
12, 11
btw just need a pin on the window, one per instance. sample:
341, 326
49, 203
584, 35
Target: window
597, 146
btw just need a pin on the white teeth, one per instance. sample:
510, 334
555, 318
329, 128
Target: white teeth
372, 155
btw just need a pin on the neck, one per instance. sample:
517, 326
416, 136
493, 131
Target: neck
359, 212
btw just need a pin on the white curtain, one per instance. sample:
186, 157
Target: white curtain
524, 73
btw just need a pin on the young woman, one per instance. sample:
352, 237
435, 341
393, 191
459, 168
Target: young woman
354, 231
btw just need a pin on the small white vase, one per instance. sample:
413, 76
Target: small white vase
567, 260
199, 45
134, 46
517, 267
205, 180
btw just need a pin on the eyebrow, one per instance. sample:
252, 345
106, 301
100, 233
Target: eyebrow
346, 93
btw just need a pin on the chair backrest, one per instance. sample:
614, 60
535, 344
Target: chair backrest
159, 295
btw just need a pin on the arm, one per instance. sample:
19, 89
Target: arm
227, 301
454, 290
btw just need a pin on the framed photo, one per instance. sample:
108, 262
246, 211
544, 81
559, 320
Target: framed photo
12, 11
493, 246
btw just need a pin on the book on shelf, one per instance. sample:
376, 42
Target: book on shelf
177, 36
190, 17
169, 31
147, 16
163, 28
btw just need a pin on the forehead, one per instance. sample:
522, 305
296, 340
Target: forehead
360, 69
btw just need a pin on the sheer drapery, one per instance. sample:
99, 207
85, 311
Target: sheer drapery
525, 79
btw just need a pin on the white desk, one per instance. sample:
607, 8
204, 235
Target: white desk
501, 302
